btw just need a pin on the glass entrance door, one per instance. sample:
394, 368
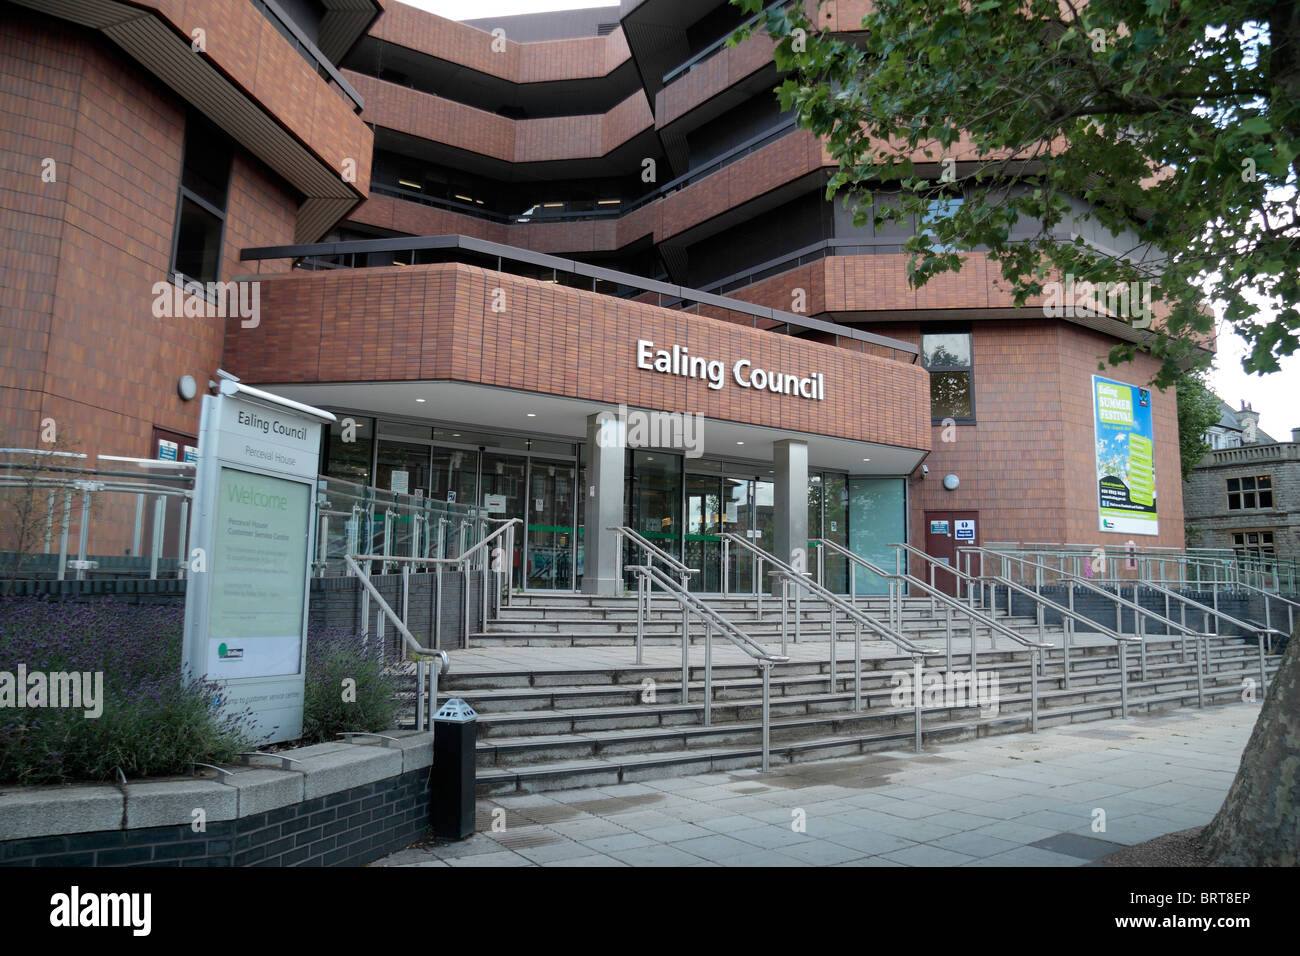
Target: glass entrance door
654, 505
738, 518
703, 547
503, 475
549, 559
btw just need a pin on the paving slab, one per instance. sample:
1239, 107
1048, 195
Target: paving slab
1023, 801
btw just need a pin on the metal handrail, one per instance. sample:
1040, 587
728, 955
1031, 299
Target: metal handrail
946, 599
1269, 596
1067, 614
652, 550
802, 580
423, 715
462, 563
1073, 580
647, 577
1120, 601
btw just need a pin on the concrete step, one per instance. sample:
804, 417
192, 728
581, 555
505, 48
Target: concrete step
627, 768
738, 699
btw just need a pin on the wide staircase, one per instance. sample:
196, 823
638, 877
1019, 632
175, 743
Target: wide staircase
563, 703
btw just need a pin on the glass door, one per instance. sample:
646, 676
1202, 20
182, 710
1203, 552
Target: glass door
702, 547
454, 476
549, 559
502, 484
835, 527
654, 505
738, 518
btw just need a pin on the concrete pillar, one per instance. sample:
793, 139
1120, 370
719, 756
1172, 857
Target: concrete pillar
790, 505
603, 502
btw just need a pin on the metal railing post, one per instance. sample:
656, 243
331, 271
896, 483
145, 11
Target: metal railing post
766, 668
916, 699
1035, 661
1202, 642
1263, 670
857, 666
686, 647
640, 615
1123, 680
159, 519
834, 684
182, 531
708, 674
420, 692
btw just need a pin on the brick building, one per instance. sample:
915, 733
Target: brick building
474, 240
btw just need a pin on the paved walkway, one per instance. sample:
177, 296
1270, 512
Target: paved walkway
1018, 800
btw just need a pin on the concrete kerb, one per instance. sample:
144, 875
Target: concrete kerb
322, 769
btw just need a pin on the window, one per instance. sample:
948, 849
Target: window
1253, 544
939, 209
201, 203
1254, 491
947, 355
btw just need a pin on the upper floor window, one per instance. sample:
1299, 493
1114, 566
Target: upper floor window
201, 202
947, 355
939, 209
1254, 491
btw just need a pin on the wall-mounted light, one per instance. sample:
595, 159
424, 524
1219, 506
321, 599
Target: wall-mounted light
951, 482
186, 388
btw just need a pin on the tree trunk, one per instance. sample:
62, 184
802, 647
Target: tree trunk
1259, 822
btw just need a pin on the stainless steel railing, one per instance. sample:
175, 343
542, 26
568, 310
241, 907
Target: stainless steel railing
1140, 613
423, 714
652, 551
648, 577
974, 586
948, 601
485, 557
800, 581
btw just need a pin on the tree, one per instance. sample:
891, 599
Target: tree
1176, 123
1198, 409
1259, 822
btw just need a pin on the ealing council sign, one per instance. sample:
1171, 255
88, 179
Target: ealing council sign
251, 541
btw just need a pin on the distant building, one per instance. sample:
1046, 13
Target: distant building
1245, 493
1236, 428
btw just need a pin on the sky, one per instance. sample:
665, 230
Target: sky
1273, 396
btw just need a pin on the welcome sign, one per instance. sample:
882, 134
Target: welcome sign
251, 538
1125, 455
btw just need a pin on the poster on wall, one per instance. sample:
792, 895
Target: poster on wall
1125, 451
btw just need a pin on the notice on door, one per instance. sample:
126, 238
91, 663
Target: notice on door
964, 529
258, 564
495, 504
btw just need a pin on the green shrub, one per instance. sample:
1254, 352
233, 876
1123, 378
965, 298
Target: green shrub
348, 687
154, 722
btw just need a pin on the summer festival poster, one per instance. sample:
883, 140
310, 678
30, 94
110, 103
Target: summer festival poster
1126, 476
